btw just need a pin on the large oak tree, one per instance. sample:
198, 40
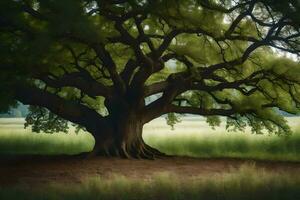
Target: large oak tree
110, 66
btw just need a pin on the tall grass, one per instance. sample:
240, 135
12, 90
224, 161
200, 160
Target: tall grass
248, 183
235, 145
196, 139
14, 139
192, 137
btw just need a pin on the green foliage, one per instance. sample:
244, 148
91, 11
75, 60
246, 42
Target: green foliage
172, 119
41, 120
213, 121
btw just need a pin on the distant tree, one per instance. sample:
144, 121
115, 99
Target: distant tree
19, 111
95, 63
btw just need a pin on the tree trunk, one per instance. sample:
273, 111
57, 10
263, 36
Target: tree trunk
122, 137
119, 134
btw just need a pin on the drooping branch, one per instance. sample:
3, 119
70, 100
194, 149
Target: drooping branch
181, 82
70, 110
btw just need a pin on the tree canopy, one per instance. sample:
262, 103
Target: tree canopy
90, 59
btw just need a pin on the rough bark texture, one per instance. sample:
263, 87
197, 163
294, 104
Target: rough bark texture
123, 138
120, 133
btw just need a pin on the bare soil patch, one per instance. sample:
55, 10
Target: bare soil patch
66, 169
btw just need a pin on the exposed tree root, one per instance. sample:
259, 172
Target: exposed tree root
138, 150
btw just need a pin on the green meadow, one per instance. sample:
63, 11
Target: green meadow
247, 183
192, 137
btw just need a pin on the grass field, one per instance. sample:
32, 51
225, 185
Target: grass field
246, 184
195, 138
14, 139
192, 137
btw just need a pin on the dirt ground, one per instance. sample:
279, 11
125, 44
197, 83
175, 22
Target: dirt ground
38, 170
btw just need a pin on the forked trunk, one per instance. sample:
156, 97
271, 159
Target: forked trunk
123, 138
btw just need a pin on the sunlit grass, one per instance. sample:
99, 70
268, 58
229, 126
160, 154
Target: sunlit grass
247, 183
192, 137
14, 139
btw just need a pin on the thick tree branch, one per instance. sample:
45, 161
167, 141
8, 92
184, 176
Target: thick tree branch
200, 111
128, 71
109, 63
70, 110
76, 79
156, 88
